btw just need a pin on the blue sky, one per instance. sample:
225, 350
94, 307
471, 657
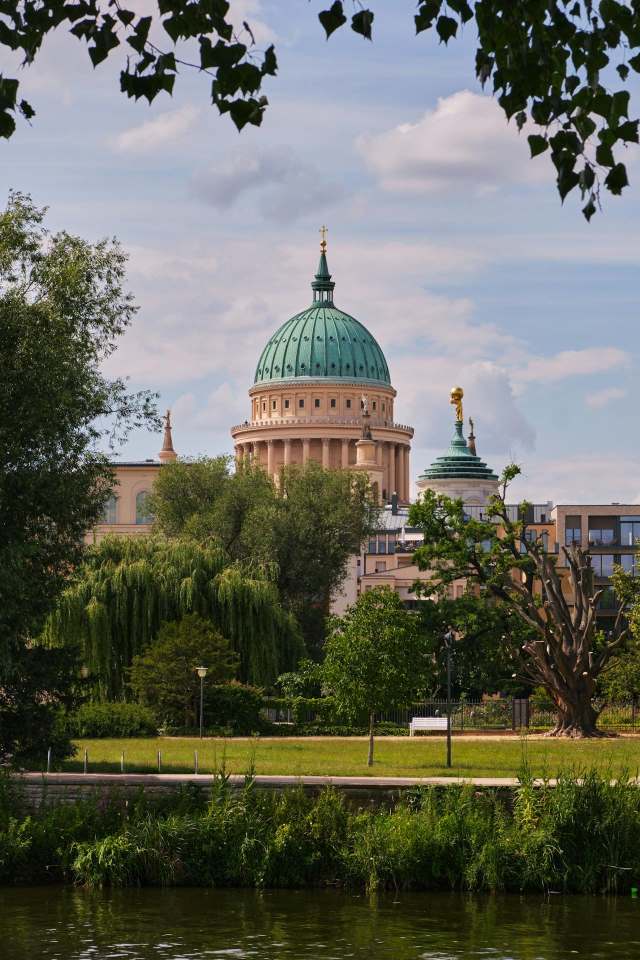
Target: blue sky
444, 239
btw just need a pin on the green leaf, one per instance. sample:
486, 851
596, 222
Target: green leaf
26, 110
589, 209
462, 8
362, 22
604, 155
447, 28
567, 180
616, 179
126, 16
140, 34
634, 63
628, 131
270, 63
7, 124
521, 119
427, 13
537, 144
623, 71
333, 18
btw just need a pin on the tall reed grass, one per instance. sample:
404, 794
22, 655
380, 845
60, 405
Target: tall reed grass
581, 836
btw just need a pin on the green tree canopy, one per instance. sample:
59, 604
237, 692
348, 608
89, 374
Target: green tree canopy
164, 677
129, 586
376, 657
304, 528
558, 66
63, 308
563, 648
482, 656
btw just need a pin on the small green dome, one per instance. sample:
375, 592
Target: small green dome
322, 342
458, 463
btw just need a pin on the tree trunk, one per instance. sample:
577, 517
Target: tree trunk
370, 756
577, 720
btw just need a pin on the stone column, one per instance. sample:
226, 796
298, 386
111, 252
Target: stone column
407, 474
287, 452
386, 471
325, 453
345, 454
306, 443
270, 457
393, 454
401, 490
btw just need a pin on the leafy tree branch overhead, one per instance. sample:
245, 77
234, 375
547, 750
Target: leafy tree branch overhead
559, 67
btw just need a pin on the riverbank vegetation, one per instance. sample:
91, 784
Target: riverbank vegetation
347, 756
581, 836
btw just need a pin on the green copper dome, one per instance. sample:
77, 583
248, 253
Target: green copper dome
322, 342
458, 463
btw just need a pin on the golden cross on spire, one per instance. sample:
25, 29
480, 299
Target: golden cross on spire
323, 243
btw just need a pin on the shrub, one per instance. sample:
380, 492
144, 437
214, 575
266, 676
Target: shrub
113, 720
233, 705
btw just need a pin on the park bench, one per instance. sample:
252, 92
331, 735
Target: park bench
427, 723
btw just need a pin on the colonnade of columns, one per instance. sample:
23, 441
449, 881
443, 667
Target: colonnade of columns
273, 453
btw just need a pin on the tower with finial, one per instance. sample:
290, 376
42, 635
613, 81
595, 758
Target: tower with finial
308, 397
167, 454
460, 473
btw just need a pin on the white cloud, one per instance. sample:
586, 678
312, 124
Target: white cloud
165, 128
287, 186
571, 363
465, 142
600, 398
580, 479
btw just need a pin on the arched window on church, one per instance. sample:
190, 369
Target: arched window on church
109, 511
143, 514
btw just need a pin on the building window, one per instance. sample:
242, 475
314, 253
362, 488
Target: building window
374, 405
532, 535
602, 564
273, 404
264, 406
627, 562
333, 403
383, 407
348, 404
316, 403
143, 514
573, 531
381, 566
629, 531
301, 404
109, 510
286, 404
602, 531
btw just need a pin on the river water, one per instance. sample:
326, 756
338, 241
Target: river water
70, 924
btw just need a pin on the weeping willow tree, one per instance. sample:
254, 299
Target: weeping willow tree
127, 587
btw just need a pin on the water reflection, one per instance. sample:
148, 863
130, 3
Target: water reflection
66, 924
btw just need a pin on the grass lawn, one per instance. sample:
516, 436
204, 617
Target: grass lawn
345, 756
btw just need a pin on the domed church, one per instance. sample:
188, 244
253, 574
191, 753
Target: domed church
322, 391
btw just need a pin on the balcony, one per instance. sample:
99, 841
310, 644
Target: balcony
250, 426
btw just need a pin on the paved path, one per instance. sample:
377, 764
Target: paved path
274, 782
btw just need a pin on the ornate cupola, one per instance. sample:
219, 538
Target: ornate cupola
316, 376
459, 472
322, 284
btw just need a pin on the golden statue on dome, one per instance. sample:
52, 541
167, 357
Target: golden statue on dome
323, 243
457, 394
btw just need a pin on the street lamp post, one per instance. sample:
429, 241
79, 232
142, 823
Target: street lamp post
202, 672
448, 640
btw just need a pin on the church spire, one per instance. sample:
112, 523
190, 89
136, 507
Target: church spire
322, 285
167, 454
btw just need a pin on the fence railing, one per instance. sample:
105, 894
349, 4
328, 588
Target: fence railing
480, 715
